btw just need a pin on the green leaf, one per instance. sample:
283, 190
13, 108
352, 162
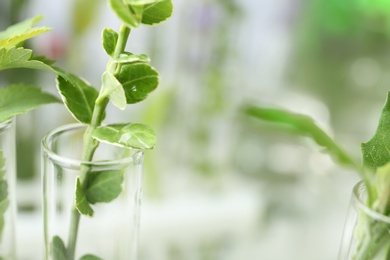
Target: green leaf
136, 136
81, 203
110, 38
57, 249
90, 257
104, 186
130, 15
376, 152
19, 99
157, 12
20, 27
12, 41
138, 80
20, 32
20, 58
113, 88
304, 126
78, 96
127, 58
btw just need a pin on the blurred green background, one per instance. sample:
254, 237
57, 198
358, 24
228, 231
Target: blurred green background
221, 185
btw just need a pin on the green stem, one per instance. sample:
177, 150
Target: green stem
73, 230
91, 144
372, 239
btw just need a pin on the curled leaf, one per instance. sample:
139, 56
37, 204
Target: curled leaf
109, 40
158, 12
113, 88
81, 201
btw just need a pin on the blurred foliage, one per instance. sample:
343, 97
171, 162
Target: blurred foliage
16, 7
203, 56
84, 13
341, 52
11, 13
224, 14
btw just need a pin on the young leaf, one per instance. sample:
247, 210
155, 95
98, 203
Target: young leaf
82, 204
19, 99
110, 37
136, 136
127, 58
57, 249
113, 88
30, 33
157, 12
376, 152
20, 58
304, 126
90, 257
140, 2
78, 96
104, 186
130, 15
138, 80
